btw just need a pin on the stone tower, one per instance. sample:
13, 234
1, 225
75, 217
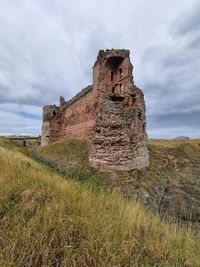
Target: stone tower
49, 112
120, 139
110, 113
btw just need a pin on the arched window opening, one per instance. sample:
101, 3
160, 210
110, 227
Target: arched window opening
58, 122
111, 76
121, 89
139, 113
113, 63
54, 113
113, 89
120, 72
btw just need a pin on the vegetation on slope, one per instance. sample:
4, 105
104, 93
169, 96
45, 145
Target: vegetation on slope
170, 186
72, 156
48, 221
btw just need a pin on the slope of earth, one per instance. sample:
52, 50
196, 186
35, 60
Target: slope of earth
48, 221
170, 186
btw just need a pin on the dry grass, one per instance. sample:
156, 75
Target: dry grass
174, 143
174, 169
47, 221
73, 156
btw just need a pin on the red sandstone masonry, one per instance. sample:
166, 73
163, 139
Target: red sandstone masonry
111, 113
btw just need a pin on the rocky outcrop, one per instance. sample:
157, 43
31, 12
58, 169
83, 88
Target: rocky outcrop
171, 184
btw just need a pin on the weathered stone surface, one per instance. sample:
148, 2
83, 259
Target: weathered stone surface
120, 140
62, 102
111, 113
49, 112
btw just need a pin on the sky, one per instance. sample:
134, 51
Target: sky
48, 48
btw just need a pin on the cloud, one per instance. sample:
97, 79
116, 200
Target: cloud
11, 123
170, 78
48, 49
187, 22
20, 119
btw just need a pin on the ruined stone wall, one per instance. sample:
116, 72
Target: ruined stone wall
111, 113
49, 112
112, 73
75, 120
120, 138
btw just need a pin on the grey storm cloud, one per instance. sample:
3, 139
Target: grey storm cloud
47, 49
188, 21
172, 84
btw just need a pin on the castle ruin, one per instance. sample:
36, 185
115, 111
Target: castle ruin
110, 113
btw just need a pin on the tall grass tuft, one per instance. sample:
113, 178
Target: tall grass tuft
48, 221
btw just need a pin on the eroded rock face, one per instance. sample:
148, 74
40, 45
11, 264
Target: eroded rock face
171, 184
111, 113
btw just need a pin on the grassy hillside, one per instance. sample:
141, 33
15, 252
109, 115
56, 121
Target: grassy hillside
48, 221
170, 186
72, 157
